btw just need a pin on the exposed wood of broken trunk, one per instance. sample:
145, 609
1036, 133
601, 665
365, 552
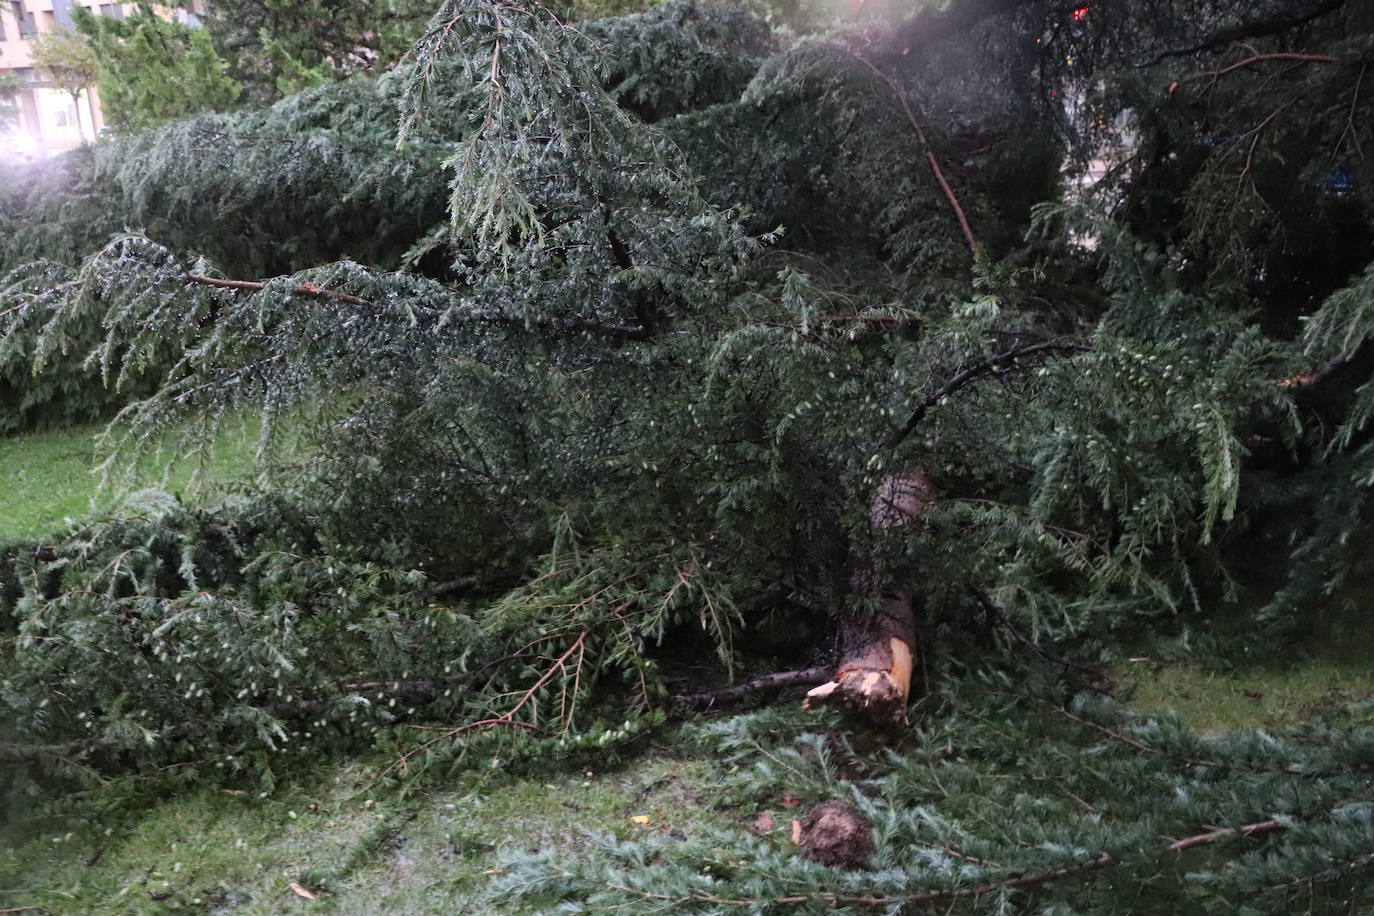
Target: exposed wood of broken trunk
879, 651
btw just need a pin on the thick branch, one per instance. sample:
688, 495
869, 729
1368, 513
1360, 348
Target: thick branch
975, 372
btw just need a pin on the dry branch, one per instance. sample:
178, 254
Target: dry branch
707, 699
930, 154
308, 290
1260, 58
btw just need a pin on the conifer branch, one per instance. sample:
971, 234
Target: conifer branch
930, 154
311, 291
1261, 58
975, 372
1260, 29
1212, 835
929, 28
308, 290
1100, 862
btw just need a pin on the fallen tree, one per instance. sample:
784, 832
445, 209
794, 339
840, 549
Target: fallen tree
603, 422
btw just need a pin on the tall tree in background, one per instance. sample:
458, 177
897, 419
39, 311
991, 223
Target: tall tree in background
70, 64
154, 69
9, 90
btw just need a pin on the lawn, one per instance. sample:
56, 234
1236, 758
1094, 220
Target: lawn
49, 476
226, 850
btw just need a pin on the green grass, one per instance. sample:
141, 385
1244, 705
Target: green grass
1326, 671
48, 476
218, 850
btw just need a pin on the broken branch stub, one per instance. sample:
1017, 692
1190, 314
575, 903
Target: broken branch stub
874, 674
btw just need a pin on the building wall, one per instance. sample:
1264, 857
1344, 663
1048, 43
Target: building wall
49, 122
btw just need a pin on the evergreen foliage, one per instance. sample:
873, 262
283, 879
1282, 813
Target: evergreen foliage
617, 344
1019, 799
154, 69
273, 48
9, 89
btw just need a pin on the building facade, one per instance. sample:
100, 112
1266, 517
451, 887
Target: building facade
48, 121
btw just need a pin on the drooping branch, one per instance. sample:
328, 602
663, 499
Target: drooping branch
413, 691
1002, 617
311, 291
973, 373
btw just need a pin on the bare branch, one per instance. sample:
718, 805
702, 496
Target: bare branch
930, 154
707, 699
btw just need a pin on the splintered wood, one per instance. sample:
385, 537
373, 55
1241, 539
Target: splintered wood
874, 674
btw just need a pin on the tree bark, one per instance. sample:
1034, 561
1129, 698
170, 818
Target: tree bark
879, 651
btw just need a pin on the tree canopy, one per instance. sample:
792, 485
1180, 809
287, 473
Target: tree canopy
633, 335
154, 69
68, 63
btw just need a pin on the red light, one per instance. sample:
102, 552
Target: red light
1080, 14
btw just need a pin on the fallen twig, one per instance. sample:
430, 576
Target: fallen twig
706, 699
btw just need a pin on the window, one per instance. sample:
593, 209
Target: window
28, 26
112, 10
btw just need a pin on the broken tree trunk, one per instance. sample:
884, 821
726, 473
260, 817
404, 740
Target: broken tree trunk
879, 651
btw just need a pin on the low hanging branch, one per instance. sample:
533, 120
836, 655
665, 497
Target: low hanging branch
311, 291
